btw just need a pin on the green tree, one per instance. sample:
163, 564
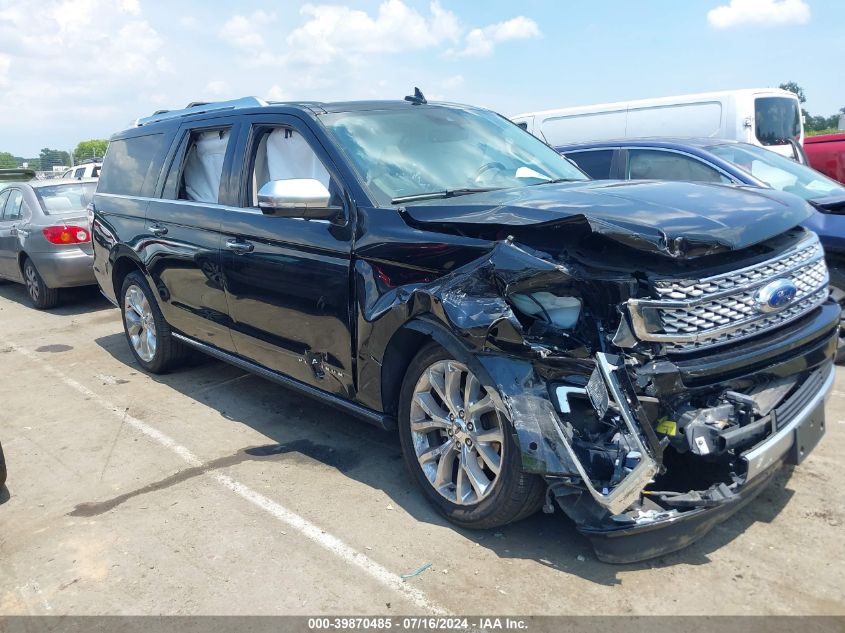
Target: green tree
7, 161
52, 157
793, 87
95, 148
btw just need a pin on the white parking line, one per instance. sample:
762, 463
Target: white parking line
307, 529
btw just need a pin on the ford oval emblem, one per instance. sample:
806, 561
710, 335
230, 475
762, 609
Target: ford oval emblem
775, 295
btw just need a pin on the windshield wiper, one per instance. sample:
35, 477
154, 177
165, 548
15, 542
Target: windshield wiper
446, 193
556, 180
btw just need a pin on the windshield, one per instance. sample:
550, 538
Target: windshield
779, 172
432, 151
69, 198
778, 119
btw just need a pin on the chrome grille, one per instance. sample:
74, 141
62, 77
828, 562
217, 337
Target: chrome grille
689, 315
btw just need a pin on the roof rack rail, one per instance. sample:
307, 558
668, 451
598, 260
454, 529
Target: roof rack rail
201, 108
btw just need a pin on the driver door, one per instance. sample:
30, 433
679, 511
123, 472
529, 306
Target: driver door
287, 280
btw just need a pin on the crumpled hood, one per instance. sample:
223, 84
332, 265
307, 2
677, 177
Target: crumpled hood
672, 218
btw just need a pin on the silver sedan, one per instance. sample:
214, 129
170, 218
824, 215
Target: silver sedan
45, 242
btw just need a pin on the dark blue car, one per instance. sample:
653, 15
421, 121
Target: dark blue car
731, 163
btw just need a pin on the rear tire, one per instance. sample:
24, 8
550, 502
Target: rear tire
40, 294
471, 439
150, 337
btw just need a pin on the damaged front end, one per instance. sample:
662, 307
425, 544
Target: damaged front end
654, 403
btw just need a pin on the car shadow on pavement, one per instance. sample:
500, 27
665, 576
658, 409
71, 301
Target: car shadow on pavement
72, 301
309, 431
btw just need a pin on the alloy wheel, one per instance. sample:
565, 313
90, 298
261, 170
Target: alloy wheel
140, 323
458, 432
31, 279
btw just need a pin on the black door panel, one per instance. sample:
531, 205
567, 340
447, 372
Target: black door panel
289, 296
182, 255
182, 236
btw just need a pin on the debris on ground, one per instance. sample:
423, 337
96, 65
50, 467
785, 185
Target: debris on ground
416, 572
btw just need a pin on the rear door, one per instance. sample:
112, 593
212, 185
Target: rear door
288, 279
8, 240
182, 251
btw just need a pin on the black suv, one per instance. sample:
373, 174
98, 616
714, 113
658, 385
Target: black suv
645, 355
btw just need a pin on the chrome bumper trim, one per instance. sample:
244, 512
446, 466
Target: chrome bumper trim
773, 448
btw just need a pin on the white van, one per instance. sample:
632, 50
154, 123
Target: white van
769, 117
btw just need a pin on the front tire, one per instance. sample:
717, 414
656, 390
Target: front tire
40, 294
149, 336
459, 445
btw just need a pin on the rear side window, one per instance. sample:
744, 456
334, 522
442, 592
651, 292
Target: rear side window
202, 167
128, 163
647, 164
595, 163
13, 206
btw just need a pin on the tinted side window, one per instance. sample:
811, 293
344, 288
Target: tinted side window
79, 173
128, 163
648, 164
595, 163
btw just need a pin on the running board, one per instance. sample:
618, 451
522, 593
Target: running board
381, 420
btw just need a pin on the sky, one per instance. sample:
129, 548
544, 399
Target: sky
72, 70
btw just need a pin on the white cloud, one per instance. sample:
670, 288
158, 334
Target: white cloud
453, 82
189, 22
243, 31
216, 88
334, 31
275, 93
759, 13
482, 42
5, 65
131, 6
75, 59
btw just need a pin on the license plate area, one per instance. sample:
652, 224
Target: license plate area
807, 435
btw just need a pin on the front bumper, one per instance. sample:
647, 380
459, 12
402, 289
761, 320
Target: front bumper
799, 430
65, 268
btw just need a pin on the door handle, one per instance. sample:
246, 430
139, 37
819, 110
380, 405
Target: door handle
239, 246
158, 229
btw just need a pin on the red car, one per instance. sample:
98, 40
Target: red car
827, 154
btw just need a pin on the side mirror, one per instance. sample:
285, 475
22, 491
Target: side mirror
296, 198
